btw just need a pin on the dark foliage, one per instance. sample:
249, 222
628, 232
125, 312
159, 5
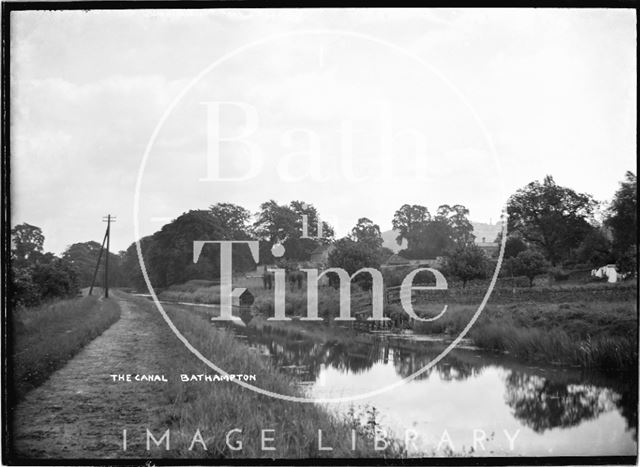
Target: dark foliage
551, 217
36, 276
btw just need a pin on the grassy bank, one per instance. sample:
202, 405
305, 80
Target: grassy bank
217, 407
47, 336
201, 291
198, 291
587, 325
194, 291
600, 335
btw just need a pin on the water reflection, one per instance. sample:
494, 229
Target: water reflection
543, 404
538, 398
356, 356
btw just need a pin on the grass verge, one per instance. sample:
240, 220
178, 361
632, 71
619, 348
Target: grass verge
215, 408
47, 336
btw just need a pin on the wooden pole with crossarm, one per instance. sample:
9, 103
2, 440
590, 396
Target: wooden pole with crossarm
107, 236
108, 220
95, 273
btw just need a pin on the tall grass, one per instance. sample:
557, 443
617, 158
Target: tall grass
208, 295
217, 407
205, 292
47, 336
607, 352
591, 335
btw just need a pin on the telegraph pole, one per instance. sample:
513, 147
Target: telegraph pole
95, 273
107, 236
108, 220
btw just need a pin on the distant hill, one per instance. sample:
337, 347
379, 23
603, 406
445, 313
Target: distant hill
487, 231
389, 241
480, 230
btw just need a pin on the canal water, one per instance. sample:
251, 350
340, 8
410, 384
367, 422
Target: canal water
510, 408
472, 402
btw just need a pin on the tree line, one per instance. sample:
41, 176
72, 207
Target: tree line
37, 276
554, 229
550, 229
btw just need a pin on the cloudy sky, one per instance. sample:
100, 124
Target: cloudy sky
355, 111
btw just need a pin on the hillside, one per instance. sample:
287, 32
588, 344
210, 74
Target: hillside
487, 231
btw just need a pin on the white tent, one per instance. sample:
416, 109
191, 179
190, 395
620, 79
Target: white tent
609, 271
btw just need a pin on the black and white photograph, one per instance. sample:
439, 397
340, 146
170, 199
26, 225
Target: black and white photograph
276, 234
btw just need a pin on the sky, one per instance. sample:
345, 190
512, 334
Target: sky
356, 111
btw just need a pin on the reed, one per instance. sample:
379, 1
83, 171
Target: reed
598, 335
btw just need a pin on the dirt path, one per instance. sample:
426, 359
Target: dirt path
80, 412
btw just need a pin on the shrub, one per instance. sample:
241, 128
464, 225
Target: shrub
43, 281
559, 275
468, 263
529, 263
399, 318
352, 256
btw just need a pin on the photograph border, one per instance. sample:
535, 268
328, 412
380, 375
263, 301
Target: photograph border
7, 371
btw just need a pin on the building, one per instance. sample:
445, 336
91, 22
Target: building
397, 261
320, 256
489, 248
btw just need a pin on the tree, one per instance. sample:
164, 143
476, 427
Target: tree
468, 263
367, 233
351, 256
26, 244
276, 223
512, 246
233, 219
528, 263
623, 221
55, 279
429, 240
298, 248
595, 249
84, 257
24, 292
552, 217
407, 220
301, 208
456, 217
628, 260
168, 254
429, 237
36, 276
132, 275
281, 223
